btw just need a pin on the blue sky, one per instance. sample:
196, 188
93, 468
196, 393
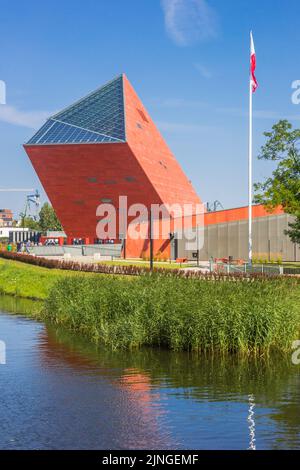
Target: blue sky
187, 59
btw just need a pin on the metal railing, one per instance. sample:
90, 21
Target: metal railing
247, 268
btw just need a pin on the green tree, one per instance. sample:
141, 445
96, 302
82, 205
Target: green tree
29, 222
283, 187
48, 219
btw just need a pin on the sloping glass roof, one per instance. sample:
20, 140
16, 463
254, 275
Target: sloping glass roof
99, 117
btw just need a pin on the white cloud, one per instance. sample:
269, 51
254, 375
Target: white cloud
203, 70
189, 21
31, 119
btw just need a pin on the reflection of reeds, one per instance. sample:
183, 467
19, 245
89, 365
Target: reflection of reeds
13, 304
209, 378
180, 314
226, 374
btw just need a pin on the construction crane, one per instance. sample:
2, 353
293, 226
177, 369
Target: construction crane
35, 200
15, 190
214, 206
31, 199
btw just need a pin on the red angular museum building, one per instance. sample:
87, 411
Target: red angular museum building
102, 147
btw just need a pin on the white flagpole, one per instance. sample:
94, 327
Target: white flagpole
250, 196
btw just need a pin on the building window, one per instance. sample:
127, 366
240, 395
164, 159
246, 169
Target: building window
163, 164
106, 200
130, 179
142, 114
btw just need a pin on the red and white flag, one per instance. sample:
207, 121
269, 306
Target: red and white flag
253, 64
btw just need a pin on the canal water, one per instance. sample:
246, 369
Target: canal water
58, 391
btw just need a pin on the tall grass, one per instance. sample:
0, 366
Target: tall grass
246, 316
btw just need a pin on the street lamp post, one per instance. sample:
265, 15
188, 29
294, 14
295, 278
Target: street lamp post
151, 239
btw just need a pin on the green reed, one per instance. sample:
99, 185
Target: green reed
242, 316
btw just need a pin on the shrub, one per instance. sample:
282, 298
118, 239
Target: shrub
130, 270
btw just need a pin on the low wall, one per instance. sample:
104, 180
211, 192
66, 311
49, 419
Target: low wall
78, 250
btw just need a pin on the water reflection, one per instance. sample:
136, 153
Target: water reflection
138, 404
273, 383
251, 421
12, 304
90, 397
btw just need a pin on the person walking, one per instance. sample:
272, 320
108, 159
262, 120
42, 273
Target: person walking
27, 246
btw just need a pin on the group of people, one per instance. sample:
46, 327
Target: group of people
108, 241
80, 241
24, 247
52, 242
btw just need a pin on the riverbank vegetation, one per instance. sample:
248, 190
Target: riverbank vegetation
208, 314
249, 316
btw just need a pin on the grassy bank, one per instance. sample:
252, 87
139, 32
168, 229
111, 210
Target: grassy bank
31, 282
225, 315
180, 314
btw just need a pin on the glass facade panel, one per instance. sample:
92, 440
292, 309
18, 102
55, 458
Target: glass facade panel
97, 118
